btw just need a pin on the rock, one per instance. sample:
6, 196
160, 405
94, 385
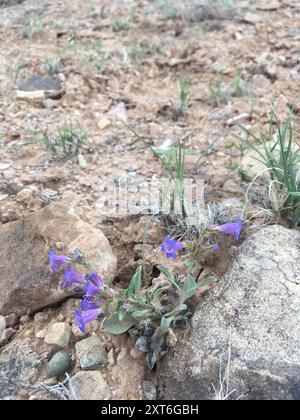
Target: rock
104, 122
149, 390
82, 161
270, 69
28, 284
58, 364
58, 334
7, 334
90, 385
91, 352
2, 324
51, 175
11, 320
40, 334
252, 18
18, 364
46, 87
247, 328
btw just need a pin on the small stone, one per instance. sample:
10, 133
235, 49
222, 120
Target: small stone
90, 385
81, 161
24, 319
48, 103
2, 324
58, 364
4, 166
51, 381
58, 334
111, 357
25, 196
91, 352
252, 18
51, 175
11, 320
7, 334
40, 334
104, 122
149, 390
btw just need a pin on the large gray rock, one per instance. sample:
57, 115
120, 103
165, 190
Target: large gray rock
245, 338
25, 279
20, 366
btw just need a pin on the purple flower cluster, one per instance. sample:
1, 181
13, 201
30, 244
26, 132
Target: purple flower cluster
91, 284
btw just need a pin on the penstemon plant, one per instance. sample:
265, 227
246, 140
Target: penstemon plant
152, 311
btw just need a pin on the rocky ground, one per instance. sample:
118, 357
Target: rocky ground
76, 62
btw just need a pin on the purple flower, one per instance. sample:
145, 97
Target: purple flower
87, 304
215, 247
86, 317
170, 247
233, 229
94, 285
71, 277
56, 261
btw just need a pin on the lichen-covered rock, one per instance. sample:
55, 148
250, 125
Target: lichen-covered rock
245, 338
91, 352
25, 279
19, 365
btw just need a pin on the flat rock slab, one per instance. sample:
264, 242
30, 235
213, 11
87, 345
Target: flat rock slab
37, 88
36, 82
26, 281
245, 338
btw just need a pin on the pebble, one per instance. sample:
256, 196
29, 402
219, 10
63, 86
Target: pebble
58, 364
58, 334
40, 334
91, 352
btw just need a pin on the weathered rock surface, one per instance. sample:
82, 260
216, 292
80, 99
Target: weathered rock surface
58, 334
91, 352
25, 278
247, 330
19, 365
90, 385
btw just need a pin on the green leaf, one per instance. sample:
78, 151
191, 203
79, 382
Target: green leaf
191, 287
116, 327
169, 276
141, 314
165, 323
176, 311
136, 282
